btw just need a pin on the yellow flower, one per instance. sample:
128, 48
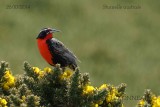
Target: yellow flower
112, 95
41, 74
23, 98
88, 90
8, 80
141, 103
36, 70
5, 87
3, 102
47, 70
6, 75
155, 101
94, 105
122, 105
66, 74
103, 86
100, 102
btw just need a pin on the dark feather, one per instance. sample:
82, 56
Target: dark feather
61, 55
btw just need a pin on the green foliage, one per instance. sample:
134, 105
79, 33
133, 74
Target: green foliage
3, 68
149, 100
59, 87
56, 87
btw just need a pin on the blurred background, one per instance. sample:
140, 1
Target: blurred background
114, 45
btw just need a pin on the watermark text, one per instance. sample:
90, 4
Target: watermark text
18, 6
119, 6
132, 97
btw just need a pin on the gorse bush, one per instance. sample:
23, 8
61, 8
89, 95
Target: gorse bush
149, 100
55, 87
59, 87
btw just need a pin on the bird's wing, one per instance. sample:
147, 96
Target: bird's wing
60, 53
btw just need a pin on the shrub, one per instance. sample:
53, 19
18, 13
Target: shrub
59, 87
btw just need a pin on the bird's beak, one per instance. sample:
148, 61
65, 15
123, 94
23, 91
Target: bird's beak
54, 30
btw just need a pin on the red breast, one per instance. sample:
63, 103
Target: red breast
43, 48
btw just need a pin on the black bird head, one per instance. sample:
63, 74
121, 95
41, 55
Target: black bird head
45, 31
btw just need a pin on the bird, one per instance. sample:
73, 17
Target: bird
54, 51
